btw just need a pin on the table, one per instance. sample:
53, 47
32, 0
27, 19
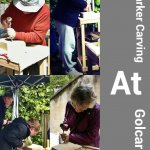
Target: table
32, 147
82, 23
71, 146
20, 59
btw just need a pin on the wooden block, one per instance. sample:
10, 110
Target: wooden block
3, 45
67, 146
33, 147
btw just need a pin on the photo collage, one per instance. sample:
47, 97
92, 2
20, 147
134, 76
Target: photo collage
50, 74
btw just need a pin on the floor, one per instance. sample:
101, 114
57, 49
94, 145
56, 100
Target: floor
57, 69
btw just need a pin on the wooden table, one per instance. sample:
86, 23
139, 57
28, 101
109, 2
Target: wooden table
82, 23
71, 146
20, 59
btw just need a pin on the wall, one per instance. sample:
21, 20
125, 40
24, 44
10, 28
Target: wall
2, 9
58, 103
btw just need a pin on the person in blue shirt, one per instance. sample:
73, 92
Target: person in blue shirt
66, 16
5, 101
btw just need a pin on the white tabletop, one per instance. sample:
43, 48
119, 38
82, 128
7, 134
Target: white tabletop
26, 56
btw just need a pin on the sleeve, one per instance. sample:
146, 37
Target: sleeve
14, 136
81, 4
7, 12
67, 115
90, 135
37, 36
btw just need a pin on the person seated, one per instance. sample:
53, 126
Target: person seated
12, 135
30, 21
82, 117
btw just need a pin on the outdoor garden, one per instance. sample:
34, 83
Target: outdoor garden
34, 100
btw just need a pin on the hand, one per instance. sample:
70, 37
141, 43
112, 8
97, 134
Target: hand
87, 8
8, 122
23, 145
5, 122
65, 138
11, 33
6, 24
28, 141
64, 126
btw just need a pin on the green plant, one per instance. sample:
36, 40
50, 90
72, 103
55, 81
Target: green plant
97, 6
34, 101
5, 1
47, 1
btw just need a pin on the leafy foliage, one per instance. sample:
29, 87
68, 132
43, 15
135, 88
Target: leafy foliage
34, 101
58, 81
97, 5
47, 1
5, 1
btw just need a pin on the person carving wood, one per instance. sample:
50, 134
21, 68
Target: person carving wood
30, 21
12, 135
82, 117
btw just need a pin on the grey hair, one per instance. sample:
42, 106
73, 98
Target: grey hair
83, 94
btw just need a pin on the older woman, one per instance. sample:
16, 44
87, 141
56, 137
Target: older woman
82, 117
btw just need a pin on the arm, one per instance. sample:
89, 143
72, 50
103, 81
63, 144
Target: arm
89, 136
14, 135
40, 30
66, 126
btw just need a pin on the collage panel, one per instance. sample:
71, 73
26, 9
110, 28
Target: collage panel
75, 113
25, 37
49, 74
24, 112
75, 37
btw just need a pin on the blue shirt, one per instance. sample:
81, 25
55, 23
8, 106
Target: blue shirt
67, 11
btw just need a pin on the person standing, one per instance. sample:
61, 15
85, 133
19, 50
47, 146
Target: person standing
5, 101
66, 16
30, 21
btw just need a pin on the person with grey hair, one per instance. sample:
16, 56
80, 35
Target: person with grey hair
82, 117
5, 101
